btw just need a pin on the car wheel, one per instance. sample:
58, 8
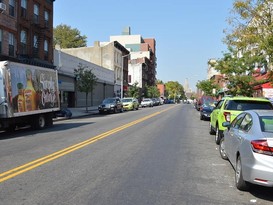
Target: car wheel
240, 183
115, 110
201, 117
222, 149
218, 135
212, 132
122, 110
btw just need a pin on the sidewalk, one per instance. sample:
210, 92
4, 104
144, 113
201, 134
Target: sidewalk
80, 112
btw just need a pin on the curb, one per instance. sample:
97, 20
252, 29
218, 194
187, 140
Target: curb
84, 114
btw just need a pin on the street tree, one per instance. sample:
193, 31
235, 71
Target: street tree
175, 90
251, 32
68, 37
207, 86
249, 40
133, 91
252, 27
85, 81
238, 71
152, 92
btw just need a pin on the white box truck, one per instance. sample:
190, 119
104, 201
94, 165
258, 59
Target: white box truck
28, 95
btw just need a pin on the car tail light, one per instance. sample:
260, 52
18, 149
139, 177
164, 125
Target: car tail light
261, 147
227, 116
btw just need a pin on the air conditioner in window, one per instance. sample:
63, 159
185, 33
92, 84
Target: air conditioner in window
2, 7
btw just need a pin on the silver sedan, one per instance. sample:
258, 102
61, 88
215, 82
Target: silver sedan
248, 145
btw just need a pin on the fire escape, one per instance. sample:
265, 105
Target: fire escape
37, 32
38, 36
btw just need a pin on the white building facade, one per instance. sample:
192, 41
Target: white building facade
69, 95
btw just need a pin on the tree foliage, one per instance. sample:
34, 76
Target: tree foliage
152, 92
134, 91
207, 86
249, 41
174, 90
68, 37
86, 81
159, 81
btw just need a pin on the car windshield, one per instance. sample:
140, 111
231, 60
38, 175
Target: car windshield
108, 100
145, 100
127, 100
266, 123
248, 105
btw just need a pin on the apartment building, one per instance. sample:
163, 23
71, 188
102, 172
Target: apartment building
139, 47
26, 31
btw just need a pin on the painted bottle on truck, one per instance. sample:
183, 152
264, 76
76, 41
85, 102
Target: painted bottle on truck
29, 93
21, 98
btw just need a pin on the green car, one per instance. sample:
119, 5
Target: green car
229, 107
130, 103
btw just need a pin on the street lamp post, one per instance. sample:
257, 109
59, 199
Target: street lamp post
122, 69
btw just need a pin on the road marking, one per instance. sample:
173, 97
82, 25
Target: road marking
40, 161
213, 164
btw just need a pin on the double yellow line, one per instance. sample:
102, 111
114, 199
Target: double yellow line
38, 162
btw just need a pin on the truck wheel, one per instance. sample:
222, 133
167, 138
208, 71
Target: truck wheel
40, 122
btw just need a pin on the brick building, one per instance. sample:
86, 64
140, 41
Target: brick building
26, 31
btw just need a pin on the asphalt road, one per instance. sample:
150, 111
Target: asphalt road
159, 156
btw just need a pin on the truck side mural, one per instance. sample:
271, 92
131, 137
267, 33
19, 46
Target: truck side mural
33, 89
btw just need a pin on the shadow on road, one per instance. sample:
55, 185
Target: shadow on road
265, 193
28, 131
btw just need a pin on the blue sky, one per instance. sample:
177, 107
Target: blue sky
188, 32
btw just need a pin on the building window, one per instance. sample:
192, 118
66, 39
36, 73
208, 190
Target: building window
46, 19
23, 42
24, 8
12, 7
35, 45
36, 13
46, 49
11, 44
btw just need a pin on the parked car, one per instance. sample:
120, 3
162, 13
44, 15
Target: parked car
248, 145
203, 100
205, 110
156, 101
111, 105
147, 102
63, 112
229, 107
130, 103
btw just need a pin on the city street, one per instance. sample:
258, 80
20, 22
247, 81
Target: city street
162, 155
